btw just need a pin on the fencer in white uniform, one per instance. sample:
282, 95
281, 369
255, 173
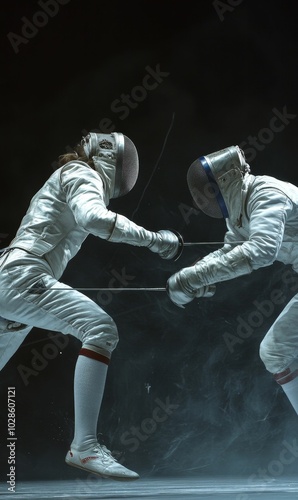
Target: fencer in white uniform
261, 214
71, 205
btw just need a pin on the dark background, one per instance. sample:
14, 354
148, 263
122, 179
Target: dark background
226, 69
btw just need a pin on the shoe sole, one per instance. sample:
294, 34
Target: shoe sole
104, 476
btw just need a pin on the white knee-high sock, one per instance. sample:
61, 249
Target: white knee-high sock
89, 383
288, 380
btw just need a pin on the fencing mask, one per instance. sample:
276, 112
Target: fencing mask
119, 148
209, 175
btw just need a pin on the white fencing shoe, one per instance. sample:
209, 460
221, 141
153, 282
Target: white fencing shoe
99, 460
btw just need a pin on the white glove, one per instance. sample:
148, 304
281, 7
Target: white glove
165, 243
181, 292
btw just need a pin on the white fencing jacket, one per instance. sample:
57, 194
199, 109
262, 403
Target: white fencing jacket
263, 217
72, 204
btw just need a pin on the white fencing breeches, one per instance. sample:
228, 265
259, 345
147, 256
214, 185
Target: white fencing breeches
30, 294
279, 347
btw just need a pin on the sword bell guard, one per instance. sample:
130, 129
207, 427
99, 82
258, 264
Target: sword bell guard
181, 244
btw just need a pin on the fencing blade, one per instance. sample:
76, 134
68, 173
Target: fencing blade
91, 289
117, 289
196, 243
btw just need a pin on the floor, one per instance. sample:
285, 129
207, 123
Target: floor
153, 489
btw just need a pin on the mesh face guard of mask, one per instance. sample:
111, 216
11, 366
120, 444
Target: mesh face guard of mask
202, 175
121, 150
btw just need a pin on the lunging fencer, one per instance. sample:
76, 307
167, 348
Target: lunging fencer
261, 215
71, 205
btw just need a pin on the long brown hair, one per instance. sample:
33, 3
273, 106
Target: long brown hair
78, 153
